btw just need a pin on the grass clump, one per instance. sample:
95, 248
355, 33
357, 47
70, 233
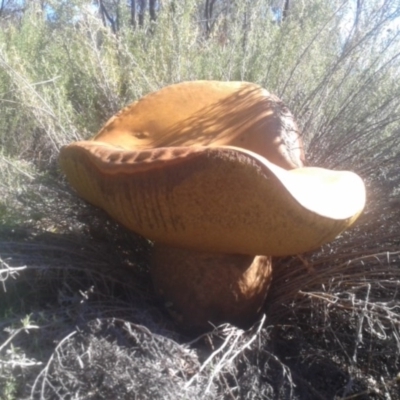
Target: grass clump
75, 291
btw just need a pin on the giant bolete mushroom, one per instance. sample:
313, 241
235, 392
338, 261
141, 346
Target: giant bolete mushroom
212, 172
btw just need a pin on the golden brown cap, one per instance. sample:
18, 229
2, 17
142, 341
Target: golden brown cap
213, 166
212, 114
215, 199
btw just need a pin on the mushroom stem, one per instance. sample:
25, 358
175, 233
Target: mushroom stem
200, 288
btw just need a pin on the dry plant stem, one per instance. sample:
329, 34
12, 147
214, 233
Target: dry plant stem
16, 332
22, 364
213, 355
359, 336
324, 274
43, 374
383, 312
355, 396
358, 341
6, 271
224, 361
14, 166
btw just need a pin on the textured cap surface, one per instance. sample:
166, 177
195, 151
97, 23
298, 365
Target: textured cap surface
218, 199
209, 113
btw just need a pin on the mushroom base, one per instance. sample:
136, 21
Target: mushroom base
202, 288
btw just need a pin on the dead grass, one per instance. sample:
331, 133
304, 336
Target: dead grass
77, 300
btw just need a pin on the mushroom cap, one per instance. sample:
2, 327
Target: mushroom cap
215, 167
215, 199
211, 114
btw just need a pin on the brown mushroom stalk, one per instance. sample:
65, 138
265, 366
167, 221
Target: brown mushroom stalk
212, 172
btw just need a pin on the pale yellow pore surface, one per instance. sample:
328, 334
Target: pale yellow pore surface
212, 114
218, 199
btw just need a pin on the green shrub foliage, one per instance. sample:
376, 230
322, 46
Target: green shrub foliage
64, 71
